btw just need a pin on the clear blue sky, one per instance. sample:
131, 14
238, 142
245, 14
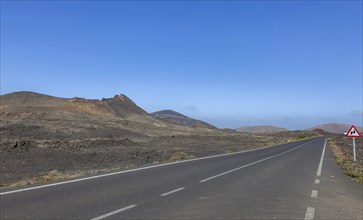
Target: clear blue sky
293, 64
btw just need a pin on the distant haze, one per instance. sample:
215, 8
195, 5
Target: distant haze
260, 129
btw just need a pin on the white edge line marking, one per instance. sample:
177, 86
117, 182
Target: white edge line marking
114, 212
314, 193
309, 213
250, 164
318, 173
171, 192
136, 169
317, 181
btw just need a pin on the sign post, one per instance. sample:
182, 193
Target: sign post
355, 158
353, 133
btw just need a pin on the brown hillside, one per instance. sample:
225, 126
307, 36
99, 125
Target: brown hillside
41, 116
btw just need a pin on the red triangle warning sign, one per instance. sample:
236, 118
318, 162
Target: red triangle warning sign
353, 132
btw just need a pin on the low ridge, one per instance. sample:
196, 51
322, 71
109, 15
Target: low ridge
180, 119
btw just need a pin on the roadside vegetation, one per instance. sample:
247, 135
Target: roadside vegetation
180, 155
51, 176
301, 137
350, 168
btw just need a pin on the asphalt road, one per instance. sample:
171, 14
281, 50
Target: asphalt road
291, 181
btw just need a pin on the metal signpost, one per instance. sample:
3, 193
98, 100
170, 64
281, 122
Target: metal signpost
353, 133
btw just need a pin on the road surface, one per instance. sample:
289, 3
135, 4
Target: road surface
298, 180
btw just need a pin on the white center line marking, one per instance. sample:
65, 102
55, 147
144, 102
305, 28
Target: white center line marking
250, 164
317, 181
318, 173
309, 213
314, 193
133, 170
171, 192
114, 212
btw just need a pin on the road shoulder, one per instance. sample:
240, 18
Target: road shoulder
337, 192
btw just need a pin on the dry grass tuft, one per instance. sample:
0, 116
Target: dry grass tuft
180, 155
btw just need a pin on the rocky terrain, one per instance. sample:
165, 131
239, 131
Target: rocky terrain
45, 138
346, 147
343, 152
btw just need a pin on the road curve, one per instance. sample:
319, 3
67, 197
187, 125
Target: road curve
297, 180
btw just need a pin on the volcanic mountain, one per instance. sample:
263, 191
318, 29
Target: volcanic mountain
35, 115
180, 119
119, 105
